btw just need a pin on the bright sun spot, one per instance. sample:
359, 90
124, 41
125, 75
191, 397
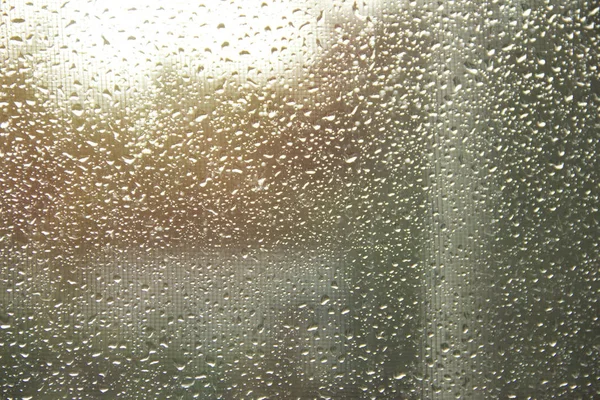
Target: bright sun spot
96, 45
130, 34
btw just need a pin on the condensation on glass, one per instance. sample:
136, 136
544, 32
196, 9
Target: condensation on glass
368, 199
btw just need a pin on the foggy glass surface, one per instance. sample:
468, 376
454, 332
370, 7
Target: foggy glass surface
315, 199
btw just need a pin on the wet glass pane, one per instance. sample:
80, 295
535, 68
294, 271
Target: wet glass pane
317, 199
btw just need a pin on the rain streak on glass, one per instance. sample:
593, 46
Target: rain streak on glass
286, 199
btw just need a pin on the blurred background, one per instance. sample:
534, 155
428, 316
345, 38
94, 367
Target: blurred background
285, 199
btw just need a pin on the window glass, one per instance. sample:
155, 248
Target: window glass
299, 199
